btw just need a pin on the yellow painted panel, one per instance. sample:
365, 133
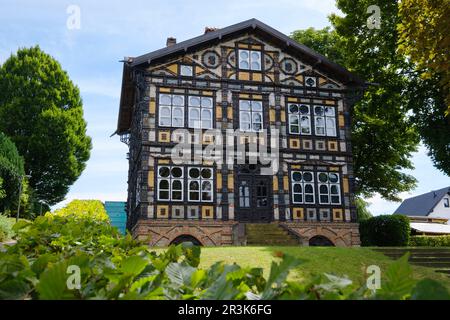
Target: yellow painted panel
334, 168
257, 76
294, 143
322, 80
218, 113
173, 68
296, 166
152, 107
283, 116
345, 185
199, 70
151, 178
257, 97
230, 182
297, 213
164, 90
244, 96
332, 145
207, 93
163, 161
244, 76
243, 45
341, 121
337, 214
230, 113
207, 212
299, 78
285, 183
164, 136
292, 99
256, 47
219, 181
272, 115
162, 211
275, 183
329, 101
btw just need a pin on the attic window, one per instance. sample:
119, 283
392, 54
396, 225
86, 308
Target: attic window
446, 203
249, 60
186, 71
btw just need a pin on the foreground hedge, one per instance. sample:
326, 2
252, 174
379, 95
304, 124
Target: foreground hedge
41, 266
430, 241
385, 231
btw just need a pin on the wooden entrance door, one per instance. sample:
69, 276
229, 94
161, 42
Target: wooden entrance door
253, 198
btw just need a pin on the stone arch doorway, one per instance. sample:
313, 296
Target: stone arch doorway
320, 241
186, 238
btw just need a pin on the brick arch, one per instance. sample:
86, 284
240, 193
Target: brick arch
194, 232
186, 238
328, 233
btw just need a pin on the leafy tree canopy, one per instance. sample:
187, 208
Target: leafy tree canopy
11, 171
424, 37
41, 111
395, 111
93, 209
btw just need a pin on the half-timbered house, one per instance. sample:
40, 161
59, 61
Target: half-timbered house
251, 79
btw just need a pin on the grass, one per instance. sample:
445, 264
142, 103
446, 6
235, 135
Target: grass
351, 262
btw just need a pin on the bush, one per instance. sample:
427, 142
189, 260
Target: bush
6, 224
385, 231
113, 266
430, 241
84, 209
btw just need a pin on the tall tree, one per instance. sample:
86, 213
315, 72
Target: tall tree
11, 173
424, 38
424, 30
41, 110
383, 136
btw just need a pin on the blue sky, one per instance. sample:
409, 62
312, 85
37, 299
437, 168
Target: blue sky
110, 30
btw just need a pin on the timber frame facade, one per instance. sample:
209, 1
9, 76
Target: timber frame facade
246, 77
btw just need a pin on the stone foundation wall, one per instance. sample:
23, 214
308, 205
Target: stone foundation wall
209, 233
161, 232
341, 234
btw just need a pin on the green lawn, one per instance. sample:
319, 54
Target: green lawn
351, 262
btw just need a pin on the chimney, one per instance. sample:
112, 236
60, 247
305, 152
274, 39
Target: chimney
210, 29
171, 41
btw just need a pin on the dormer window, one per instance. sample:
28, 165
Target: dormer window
446, 203
250, 60
186, 71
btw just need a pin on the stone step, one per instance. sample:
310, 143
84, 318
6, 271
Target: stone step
268, 234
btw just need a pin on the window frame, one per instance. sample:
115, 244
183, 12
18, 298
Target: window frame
329, 185
303, 183
249, 59
446, 203
200, 181
171, 108
325, 117
299, 116
200, 108
170, 180
251, 113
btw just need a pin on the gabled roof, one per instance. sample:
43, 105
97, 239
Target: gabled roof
254, 26
422, 205
258, 27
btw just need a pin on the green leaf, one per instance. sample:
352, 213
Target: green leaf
399, 280
278, 274
180, 274
428, 289
134, 265
53, 283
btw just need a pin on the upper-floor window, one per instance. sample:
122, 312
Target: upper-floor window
325, 121
171, 110
302, 186
299, 118
170, 183
249, 60
200, 112
250, 115
186, 70
446, 202
329, 188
